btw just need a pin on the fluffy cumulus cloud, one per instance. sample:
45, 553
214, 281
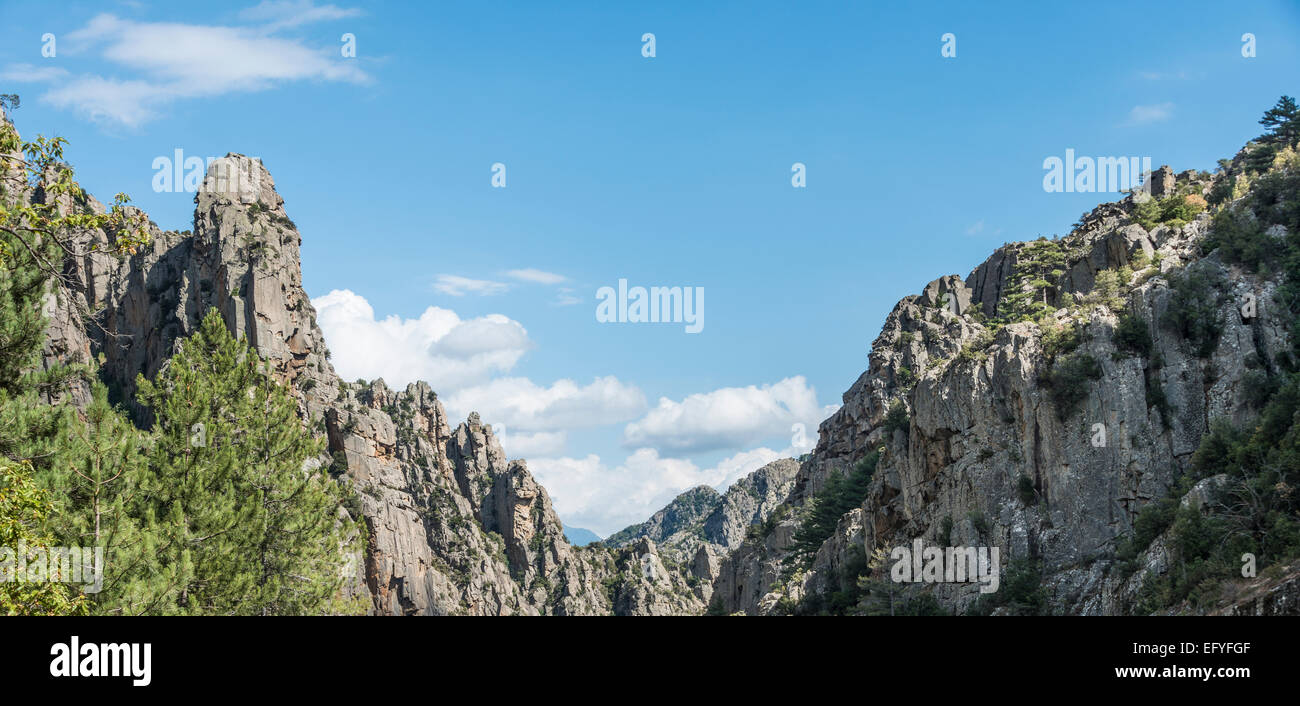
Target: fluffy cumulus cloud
439, 347
519, 403
468, 362
589, 493
162, 62
730, 418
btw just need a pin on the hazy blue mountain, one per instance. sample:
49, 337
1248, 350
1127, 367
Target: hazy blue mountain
578, 536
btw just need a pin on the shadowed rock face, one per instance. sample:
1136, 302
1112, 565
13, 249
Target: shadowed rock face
453, 526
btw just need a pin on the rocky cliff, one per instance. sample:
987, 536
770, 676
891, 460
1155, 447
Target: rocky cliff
1042, 437
1036, 405
454, 526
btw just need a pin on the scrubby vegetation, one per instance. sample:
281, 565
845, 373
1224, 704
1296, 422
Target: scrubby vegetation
1039, 264
896, 418
1174, 211
1196, 295
842, 493
1255, 509
1025, 489
215, 508
1068, 381
1132, 335
1020, 593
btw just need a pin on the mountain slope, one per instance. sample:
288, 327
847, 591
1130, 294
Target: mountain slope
580, 536
1037, 405
1081, 404
454, 527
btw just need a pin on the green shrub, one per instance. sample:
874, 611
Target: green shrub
1153, 519
1068, 381
1108, 288
1193, 310
1020, 591
1257, 387
842, 493
1059, 340
1240, 238
1132, 335
1025, 489
896, 418
906, 378
1174, 211
974, 350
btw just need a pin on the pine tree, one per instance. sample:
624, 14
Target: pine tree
248, 519
33, 241
1283, 123
98, 467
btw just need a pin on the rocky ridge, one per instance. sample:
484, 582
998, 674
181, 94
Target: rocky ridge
976, 446
975, 449
454, 526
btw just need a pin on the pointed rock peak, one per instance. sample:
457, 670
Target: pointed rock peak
948, 292
643, 546
237, 178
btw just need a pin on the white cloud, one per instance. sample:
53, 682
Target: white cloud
529, 445
588, 493
292, 13
98, 99
519, 403
172, 61
438, 347
1146, 114
976, 229
566, 297
536, 276
733, 417
742, 464
458, 286
30, 73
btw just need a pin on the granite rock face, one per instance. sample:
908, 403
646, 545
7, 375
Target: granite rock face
976, 446
986, 454
454, 527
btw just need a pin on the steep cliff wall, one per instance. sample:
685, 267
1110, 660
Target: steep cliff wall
454, 526
1044, 439
1014, 408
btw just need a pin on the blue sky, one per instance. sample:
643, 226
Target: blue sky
671, 171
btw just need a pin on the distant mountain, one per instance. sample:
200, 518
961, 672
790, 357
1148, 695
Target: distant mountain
703, 516
580, 537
